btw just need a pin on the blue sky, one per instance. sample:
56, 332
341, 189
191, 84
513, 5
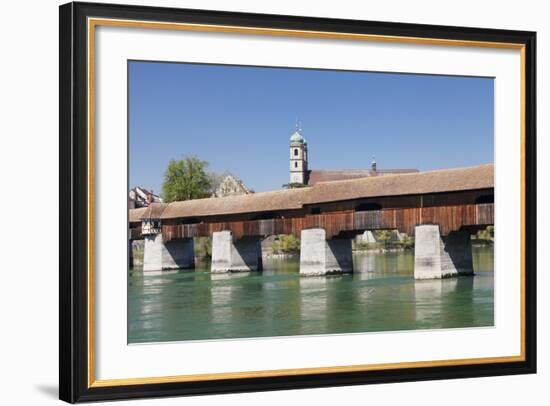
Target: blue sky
239, 119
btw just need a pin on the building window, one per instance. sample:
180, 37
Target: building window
295, 151
295, 164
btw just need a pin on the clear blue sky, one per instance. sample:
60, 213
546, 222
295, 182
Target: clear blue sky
239, 119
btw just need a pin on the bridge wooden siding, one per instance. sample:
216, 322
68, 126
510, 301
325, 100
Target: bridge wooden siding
449, 218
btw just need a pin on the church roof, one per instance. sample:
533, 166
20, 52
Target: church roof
229, 186
316, 176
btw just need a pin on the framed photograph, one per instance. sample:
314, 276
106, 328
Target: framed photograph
256, 202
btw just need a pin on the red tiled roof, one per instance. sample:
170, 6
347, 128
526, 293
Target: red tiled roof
316, 176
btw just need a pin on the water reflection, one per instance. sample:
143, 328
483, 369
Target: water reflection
314, 302
381, 295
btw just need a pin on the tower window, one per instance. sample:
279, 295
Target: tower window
295, 164
295, 151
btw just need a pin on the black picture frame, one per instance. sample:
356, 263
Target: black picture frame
74, 199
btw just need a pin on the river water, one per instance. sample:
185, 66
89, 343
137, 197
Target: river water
381, 295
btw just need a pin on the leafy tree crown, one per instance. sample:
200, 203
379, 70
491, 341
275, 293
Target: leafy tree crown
186, 179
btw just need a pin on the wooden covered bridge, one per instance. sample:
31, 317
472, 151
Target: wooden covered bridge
441, 208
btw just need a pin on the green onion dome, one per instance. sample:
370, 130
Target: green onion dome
297, 138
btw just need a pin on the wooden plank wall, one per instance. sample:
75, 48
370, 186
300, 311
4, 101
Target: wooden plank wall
449, 218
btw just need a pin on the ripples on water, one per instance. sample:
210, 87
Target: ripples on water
381, 295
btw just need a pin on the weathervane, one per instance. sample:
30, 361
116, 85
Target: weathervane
297, 126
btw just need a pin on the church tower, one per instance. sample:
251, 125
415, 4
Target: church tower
298, 158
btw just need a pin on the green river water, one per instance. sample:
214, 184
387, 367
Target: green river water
381, 295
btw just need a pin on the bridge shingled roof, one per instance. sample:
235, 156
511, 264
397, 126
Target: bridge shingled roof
135, 214
317, 176
442, 180
437, 181
286, 199
155, 210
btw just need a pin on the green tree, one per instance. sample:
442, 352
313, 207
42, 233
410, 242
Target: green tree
487, 235
286, 243
383, 237
203, 247
408, 242
186, 179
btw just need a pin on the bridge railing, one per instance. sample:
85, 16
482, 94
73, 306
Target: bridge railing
449, 218
485, 214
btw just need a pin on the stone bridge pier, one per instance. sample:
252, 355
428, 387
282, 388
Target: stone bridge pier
436, 257
229, 255
319, 256
175, 254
